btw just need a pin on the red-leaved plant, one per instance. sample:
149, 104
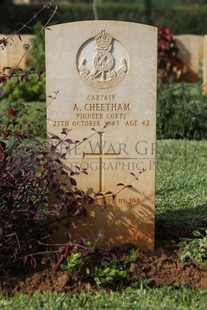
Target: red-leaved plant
169, 64
28, 168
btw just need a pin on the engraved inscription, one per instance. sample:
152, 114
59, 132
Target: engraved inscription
101, 156
108, 66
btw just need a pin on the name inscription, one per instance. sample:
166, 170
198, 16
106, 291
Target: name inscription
100, 110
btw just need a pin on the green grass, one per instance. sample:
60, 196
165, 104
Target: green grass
166, 298
181, 191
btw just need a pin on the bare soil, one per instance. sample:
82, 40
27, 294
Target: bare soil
161, 268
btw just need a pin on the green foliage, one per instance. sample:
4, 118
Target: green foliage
109, 272
28, 113
72, 261
182, 19
134, 299
28, 168
36, 55
133, 255
182, 2
107, 275
112, 269
169, 64
195, 249
179, 18
181, 112
31, 90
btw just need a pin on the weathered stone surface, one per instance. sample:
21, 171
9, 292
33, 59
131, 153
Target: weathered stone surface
3, 54
205, 66
12, 54
191, 52
105, 72
16, 50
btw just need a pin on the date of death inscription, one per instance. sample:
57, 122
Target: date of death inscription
94, 123
99, 110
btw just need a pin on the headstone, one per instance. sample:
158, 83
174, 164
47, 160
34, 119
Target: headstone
16, 50
12, 54
205, 67
3, 54
201, 46
191, 53
105, 72
21, 1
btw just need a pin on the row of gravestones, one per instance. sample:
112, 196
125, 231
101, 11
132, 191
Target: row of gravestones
105, 73
192, 50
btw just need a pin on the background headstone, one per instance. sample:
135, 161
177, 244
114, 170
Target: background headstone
3, 55
16, 49
12, 54
105, 72
191, 53
205, 67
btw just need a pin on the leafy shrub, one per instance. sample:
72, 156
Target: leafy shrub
72, 261
32, 89
23, 190
169, 64
28, 85
195, 249
111, 269
36, 55
181, 112
109, 272
26, 113
10, 78
77, 255
27, 171
183, 19
30, 168
108, 275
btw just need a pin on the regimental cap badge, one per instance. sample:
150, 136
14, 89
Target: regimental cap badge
108, 63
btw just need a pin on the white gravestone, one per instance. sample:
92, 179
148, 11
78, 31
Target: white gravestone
105, 72
16, 51
14, 54
191, 52
3, 54
205, 67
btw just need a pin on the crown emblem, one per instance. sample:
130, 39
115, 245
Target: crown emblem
105, 68
103, 39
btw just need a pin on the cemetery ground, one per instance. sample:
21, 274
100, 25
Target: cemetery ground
133, 279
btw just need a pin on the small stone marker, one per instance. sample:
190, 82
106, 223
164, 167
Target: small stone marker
191, 53
105, 72
205, 67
